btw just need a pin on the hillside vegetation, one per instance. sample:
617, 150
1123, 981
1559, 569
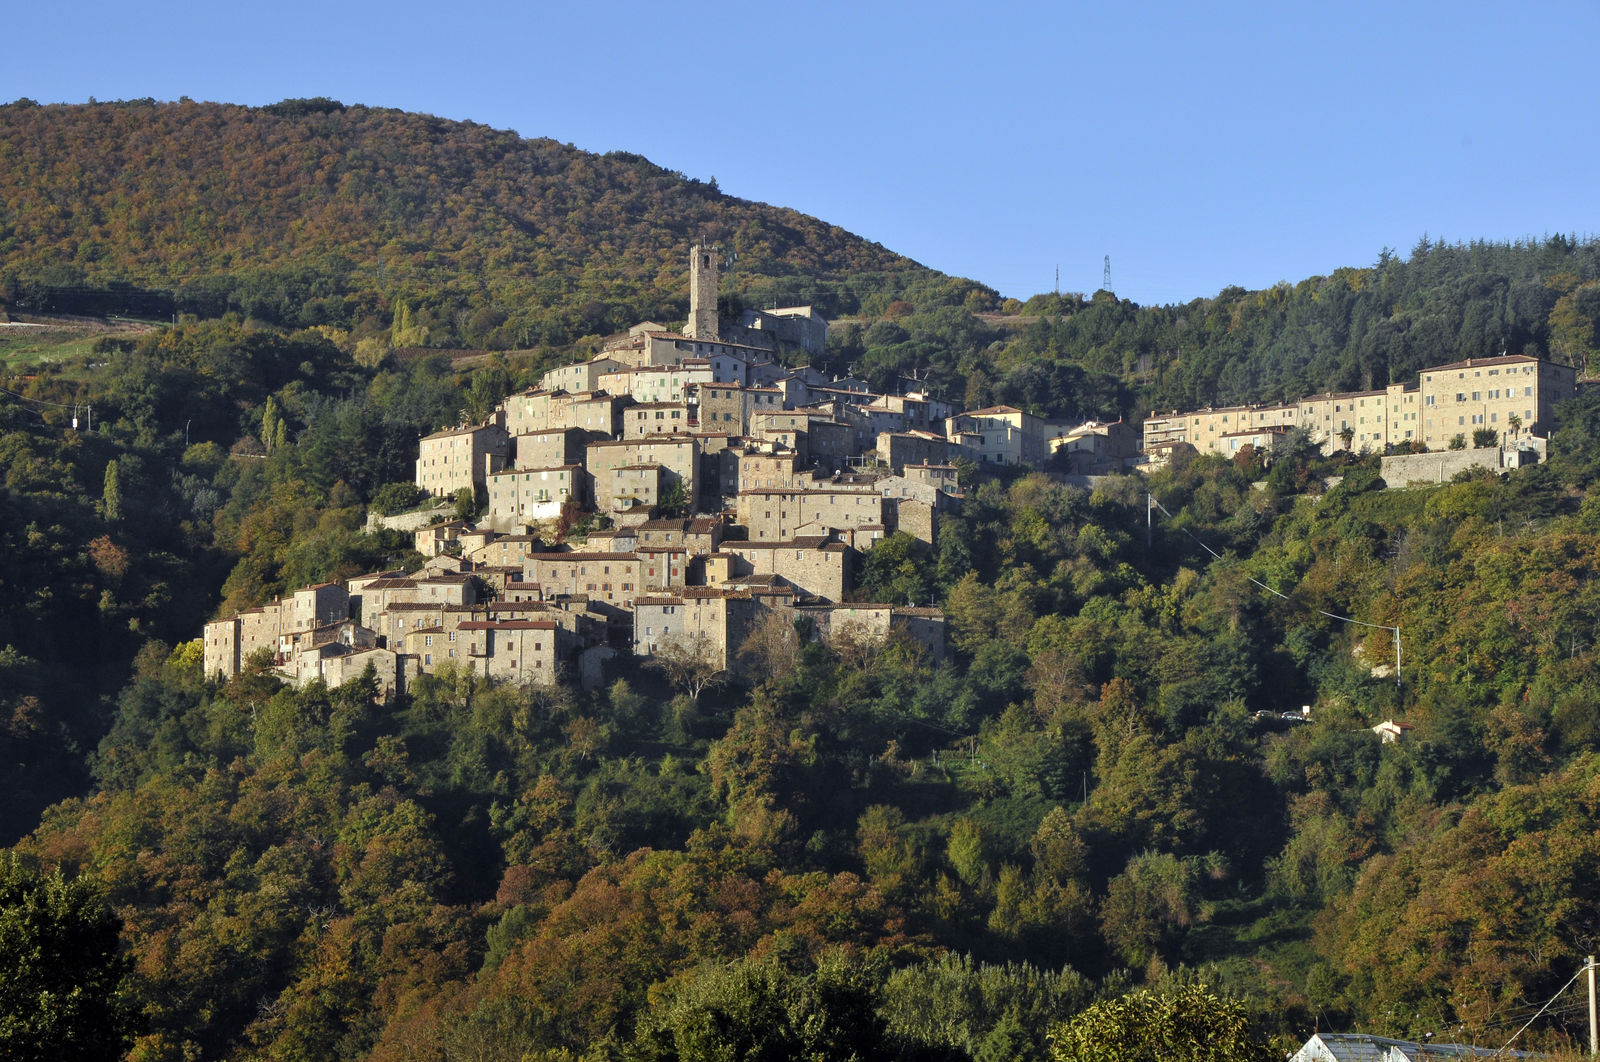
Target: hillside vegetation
864, 854
310, 212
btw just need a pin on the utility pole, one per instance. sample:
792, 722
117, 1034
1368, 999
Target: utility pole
1149, 520
1594, 1014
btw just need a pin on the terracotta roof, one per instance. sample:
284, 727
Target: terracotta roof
509, 625
1483, 363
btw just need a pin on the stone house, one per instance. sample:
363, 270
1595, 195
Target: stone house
771, 469
227, 643
816, 565
655, 418
523, 652
394, 671
656, 383
526, 495
696, 535
678, 455
896, 449
1001, 435
777, 514
448, 461
504, 551
579, 377
613, 578
1097, 448
549, 449
711, 621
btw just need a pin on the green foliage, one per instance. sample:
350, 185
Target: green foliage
760, 1009
1190, 1024
61, 975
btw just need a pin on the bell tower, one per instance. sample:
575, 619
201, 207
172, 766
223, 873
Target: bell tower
702, 294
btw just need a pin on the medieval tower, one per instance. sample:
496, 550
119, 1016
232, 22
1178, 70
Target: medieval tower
702, 294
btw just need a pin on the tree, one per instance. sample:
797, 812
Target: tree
1191, 1024
111, 495
61, 977
759, 1009
1482, 437
691, 664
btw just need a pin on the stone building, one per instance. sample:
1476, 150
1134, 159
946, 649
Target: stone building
447, 461
227, 643
816, 565
614, 578
703, 620
1514, 396
776, 513
521, 496
523, 652
1001, 435
679, 456
703, 319
655, 418
548, 449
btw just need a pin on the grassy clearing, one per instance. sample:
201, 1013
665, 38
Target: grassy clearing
25, 347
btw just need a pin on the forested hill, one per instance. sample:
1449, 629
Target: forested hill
404, 230
311, 212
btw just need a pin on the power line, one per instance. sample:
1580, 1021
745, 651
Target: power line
1278, 593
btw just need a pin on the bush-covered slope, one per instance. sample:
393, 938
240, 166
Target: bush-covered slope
311, 212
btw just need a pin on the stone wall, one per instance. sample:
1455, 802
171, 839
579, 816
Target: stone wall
1441, 466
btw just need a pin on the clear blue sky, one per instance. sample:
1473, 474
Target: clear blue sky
1199, 145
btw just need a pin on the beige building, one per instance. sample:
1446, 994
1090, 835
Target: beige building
526, 495
447, 461
1001, 435
537, 412
655, 418
614, 578
582, 376
898, 448
771, 469
523, 652
874, 624
394, 671
549, 449
1513, 396
227, 643
814, 565
707, 620
656, 383
697, 536
396, 624
1097, 448
506, 551
774, 514
678, 455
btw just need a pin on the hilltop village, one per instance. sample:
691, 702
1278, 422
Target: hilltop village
718, 496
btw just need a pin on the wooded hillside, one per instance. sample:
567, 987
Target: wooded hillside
863, 854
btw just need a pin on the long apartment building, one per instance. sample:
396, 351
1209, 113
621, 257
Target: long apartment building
1512, 395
